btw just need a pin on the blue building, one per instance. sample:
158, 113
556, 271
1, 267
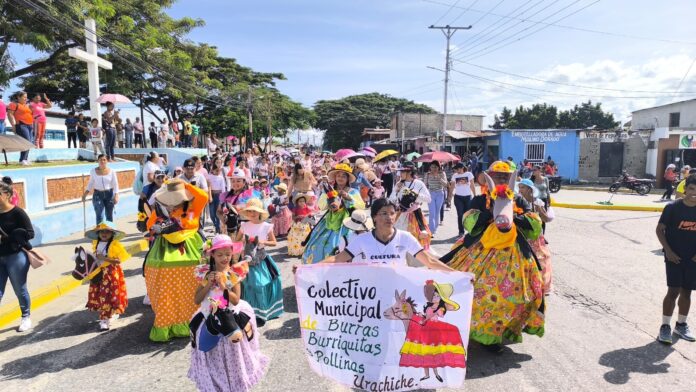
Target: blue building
536, 145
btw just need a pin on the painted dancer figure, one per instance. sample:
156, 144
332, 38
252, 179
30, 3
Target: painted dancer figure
508, 290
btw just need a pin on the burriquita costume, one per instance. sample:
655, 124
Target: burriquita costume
282, 219
325, 237
412, 194
172, 258
107, 291
226, 366
508, 293
262, 287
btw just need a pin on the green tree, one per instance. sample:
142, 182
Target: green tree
587, 115
501, 122
343, 120
544, 116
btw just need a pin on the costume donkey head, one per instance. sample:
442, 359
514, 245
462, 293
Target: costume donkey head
85, 263
502, 194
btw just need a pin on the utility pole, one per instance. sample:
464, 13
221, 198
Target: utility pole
448, 31
250, 136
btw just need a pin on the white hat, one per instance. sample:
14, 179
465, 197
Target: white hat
358, 221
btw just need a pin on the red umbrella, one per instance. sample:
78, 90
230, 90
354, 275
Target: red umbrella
440, 156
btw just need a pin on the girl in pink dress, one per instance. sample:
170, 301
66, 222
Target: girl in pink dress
39, 113
282, 220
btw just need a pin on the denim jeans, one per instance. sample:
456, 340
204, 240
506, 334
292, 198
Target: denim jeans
103, 200
24, 131
434, 207
461, 203
129, 139
109, 142
16, 267
212, 207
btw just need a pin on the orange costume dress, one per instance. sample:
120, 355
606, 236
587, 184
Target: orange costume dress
169, 268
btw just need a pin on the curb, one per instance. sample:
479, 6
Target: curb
56, 289
654, 191
605, 207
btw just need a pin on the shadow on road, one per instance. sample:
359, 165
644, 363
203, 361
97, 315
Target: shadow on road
644, 359
489, 364
128, 336
289, 300
289, 330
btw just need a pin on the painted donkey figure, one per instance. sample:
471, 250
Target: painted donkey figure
86, 264
503, 206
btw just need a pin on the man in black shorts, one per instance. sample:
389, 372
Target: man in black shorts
676, 231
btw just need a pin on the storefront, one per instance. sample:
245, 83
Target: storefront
677, 146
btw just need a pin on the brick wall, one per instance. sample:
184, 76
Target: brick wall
71, 188
19, 188
137, 157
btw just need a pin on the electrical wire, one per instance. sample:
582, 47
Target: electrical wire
447, 12
464, 12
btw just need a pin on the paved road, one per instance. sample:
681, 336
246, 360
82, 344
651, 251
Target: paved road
602, 319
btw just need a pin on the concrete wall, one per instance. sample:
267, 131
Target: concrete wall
634, 154
645, 119
175, 156
416, 124
561, 144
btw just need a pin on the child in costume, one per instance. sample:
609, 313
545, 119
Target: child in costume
377, 189
282, 219
508, 292
357, 223
300, 229
225, 354
541, 249
262, 287
410, 193
175, 253
107, 291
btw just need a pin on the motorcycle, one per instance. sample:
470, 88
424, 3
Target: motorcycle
555, 183
642, 186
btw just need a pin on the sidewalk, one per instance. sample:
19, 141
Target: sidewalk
54, 279
605, 188
584, 199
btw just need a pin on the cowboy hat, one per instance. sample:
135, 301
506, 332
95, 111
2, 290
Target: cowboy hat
444, 290
255, 205
341, 167
298, 196
93, 234
174, 193
358, 221
282, 186
223, 241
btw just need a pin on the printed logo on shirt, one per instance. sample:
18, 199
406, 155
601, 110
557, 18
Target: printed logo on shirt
687, 225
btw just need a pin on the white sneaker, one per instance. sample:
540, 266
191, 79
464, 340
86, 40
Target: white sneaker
24, 324
104, 325
25, 163
146, 300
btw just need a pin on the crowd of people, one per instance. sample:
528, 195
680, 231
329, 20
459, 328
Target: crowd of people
327, 208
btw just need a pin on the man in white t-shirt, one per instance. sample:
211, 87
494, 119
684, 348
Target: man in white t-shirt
192, 177
151, 166
464, 190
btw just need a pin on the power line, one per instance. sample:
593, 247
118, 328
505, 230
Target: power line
556, 92
575, 85
582, 29
685, 75
487, 13
447, 12
473, 3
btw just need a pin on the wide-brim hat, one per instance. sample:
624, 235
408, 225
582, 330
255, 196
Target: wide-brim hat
444, 290
358, 221
255, 205
93, 234
527, 182
282, 186
341, 167
299, 196
500, 167
223, 241
173, 193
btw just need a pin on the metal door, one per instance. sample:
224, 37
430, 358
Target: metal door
610, 159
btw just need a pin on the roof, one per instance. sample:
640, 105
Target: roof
467, 134
667, 104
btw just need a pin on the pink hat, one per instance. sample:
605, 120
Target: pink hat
222, 241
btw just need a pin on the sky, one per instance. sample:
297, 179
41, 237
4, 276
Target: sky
635, 49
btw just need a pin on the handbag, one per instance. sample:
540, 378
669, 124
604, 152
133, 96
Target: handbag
36, 259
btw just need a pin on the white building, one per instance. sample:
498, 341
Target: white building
56, 132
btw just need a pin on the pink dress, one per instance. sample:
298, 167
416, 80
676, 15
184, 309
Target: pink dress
434, 344
282, 220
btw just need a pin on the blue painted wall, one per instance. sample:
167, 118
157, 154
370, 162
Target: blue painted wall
563, 145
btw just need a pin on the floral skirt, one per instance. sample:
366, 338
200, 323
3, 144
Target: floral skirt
109, 296
541, 249
323, 243
408, 222
282, 221
508, 294
235, 367
298, 233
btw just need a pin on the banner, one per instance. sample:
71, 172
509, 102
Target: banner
687, 141
385, 328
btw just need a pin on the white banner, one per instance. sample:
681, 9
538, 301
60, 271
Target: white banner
385, 328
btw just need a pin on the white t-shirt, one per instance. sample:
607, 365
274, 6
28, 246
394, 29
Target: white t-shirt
217, 183
367, 249
197, 180
150, 167
462, 183
95, 134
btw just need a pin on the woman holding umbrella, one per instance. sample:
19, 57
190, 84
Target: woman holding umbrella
385, 169
109, 118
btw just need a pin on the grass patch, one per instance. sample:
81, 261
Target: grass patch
14, 165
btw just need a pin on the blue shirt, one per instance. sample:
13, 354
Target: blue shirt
71, 124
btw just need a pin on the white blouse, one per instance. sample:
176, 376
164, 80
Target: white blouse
102, 183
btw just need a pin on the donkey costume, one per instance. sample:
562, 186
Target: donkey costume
508, 293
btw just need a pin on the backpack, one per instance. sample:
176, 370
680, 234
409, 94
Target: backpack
138, 183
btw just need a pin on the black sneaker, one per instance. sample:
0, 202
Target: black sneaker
665, 335
682, 330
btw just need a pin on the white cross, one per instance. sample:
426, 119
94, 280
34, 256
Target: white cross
91, 57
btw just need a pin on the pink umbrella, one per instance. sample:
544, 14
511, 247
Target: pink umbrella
113, 98
440, 156
344, 153
369, 151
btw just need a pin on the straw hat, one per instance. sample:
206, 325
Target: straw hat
500, 167
173, 194
358, 221
93, 234
281, 186
444, 290
255, 205
299, 196
341, 167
